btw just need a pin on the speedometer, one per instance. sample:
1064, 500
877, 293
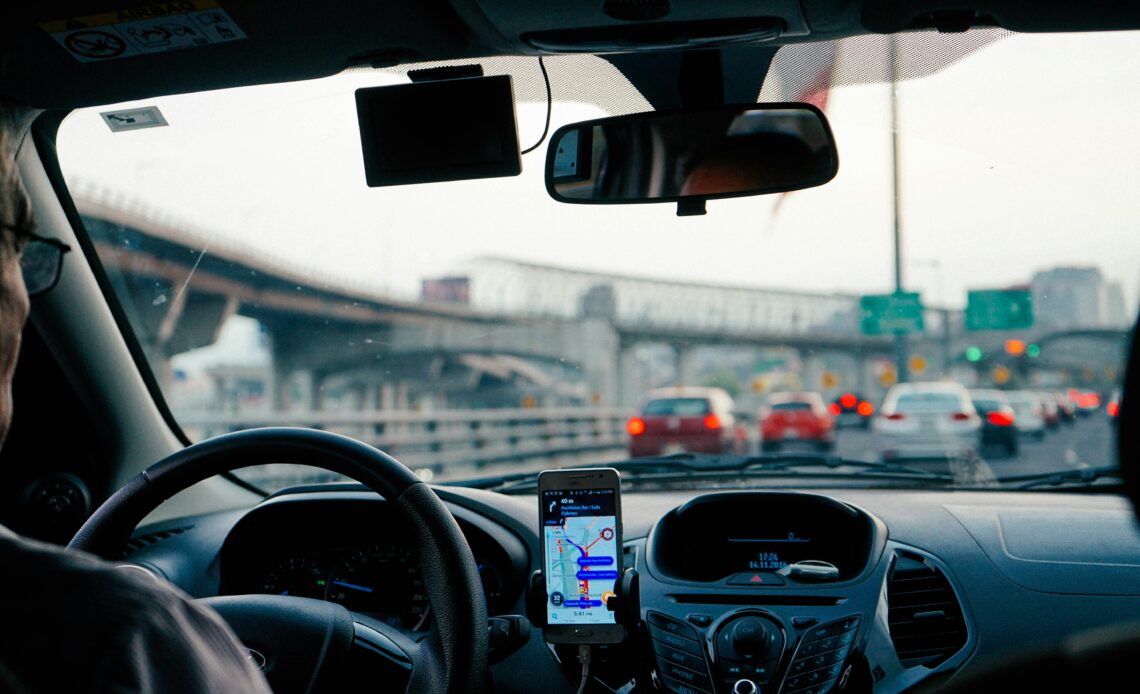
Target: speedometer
383, 581
298, 576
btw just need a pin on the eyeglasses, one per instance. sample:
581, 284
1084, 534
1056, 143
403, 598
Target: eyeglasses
41, 263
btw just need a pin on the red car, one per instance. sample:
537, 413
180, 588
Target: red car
796, 417
679, 419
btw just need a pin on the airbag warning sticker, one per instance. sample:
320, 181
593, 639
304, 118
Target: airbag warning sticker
154, 28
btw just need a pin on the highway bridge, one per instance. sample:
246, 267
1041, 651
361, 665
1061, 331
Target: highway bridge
572, 335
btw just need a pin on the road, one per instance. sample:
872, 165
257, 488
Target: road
1088, 442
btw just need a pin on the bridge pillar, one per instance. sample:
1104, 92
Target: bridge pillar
598, 350
296, 390
686, 364
629, 376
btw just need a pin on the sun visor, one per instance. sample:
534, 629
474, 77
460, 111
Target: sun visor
448, 130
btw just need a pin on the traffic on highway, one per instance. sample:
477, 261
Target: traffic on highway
646, 331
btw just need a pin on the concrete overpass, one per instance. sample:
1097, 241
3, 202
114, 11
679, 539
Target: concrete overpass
183, 286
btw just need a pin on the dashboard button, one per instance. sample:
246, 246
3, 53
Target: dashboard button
845, 639
846, 624
681, 688
675, 640
733, 669
817, 661
671, 625
809, 648
757, 579
827, 644
762, 672
701, 620
803, 622
798, 667
687, 676
678, 657
819, 633
833, 671
839, 654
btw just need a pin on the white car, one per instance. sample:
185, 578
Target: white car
927, 420
1029, 413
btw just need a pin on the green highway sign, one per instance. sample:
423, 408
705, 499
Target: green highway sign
999, 309
891, 314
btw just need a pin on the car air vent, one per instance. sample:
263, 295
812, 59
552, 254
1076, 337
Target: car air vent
146, 540
925, 618
629, 557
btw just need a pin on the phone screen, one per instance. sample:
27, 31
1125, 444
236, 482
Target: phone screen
582, 554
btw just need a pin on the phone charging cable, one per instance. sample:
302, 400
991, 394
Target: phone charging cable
584, 658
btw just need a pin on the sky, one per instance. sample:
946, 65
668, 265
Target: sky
1021, 157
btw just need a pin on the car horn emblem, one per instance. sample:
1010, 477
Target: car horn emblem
256, 657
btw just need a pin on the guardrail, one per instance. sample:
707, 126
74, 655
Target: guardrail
450, 443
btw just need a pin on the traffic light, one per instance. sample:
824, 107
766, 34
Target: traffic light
1015, 348
973, 354
1033, 350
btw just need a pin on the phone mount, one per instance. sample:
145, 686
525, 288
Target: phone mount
625, 602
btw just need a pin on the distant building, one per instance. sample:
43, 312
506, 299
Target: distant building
447, 290
1076, 297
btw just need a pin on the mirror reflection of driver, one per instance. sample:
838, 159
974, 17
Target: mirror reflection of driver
70, 622
704, 154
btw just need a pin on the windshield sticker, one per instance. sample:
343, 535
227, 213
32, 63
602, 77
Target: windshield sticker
151, 29
134, 119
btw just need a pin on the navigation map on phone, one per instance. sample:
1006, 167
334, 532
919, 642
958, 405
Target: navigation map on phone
582, 556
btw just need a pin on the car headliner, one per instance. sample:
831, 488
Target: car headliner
295, 40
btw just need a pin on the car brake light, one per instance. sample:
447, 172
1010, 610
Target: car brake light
1113, 409
635, 426
898, 416
834, 409
960, 417
712, 421
866, 409
999, 419
847, 400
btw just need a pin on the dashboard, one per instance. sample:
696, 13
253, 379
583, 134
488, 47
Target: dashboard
828, 591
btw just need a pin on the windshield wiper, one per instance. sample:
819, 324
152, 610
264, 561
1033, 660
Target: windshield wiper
1080, 477
704, 466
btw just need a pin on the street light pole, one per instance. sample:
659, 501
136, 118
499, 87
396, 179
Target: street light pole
901, 347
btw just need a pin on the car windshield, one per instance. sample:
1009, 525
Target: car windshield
477, 328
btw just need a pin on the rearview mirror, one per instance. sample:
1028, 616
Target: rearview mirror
691, 156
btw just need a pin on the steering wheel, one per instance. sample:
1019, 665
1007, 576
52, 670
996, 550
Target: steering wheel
305, 641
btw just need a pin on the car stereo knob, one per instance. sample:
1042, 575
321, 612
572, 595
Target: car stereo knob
745, 687
749, 637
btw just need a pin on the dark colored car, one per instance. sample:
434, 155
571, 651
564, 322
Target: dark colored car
674, 420
998, 430
851, 410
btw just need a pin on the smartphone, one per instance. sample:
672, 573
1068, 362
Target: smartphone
580, 515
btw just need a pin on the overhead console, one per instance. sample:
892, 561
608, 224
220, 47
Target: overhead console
576, 26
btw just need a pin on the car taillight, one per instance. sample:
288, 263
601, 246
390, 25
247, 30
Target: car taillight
1113, 409
898, 416
847, 400
712, 421
635, 426
960, 417
834, 409
866, 409
999, 419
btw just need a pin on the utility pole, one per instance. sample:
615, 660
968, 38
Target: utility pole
901, 346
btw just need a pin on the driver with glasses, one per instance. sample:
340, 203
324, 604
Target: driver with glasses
70, 622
